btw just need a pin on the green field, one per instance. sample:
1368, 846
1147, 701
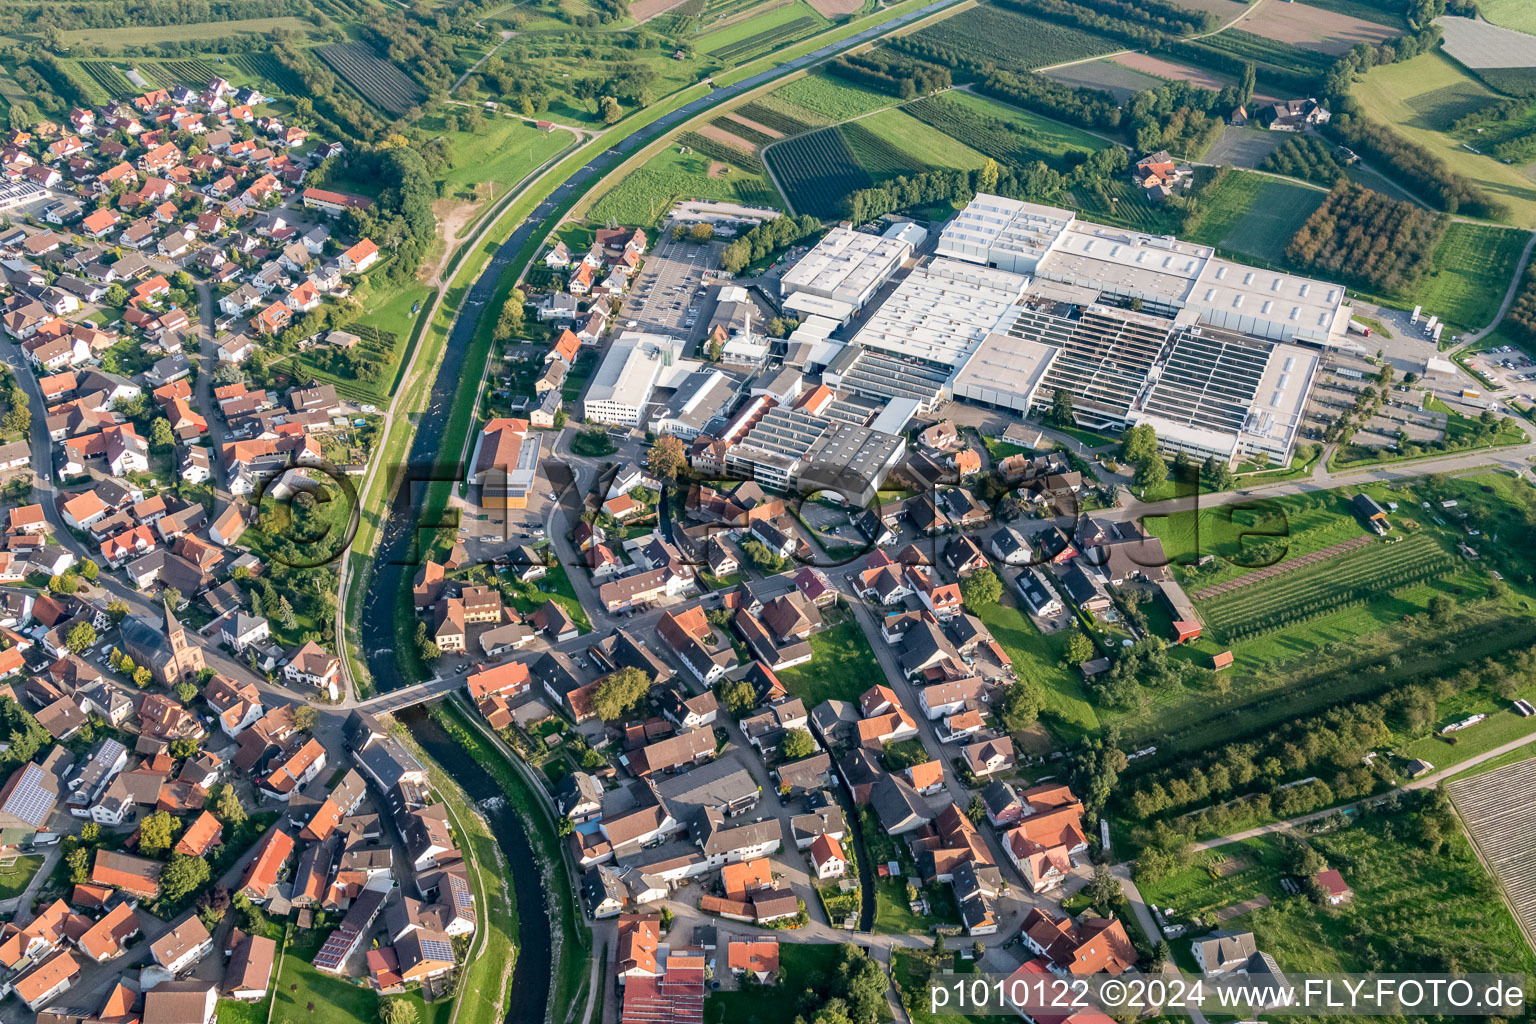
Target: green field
1119, 202
893, 142
1254, 215
499, 155
804, 968
1003, 132
1519, 15
302, 992
751, 37
830, 99
842, 666
148, 35
1474, 264
1420, 98
1013, 40
1040, 657
644, 196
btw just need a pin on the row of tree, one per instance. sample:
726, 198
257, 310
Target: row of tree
1307, 157
765, 238
893, 73
1422, 171
1365, 237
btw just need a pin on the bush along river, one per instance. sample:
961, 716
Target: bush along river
528, 1002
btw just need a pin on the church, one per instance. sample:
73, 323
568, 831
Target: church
167, 653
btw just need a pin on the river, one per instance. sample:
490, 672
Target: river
531, 977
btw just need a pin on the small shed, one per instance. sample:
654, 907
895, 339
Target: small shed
1368, 509
1222, 660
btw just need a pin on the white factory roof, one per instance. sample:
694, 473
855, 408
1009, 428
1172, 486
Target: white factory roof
942, 311
812, 305
637, 363
991, 226
1004, 371
846, 265
1268, 303
1155, 268
1280, 401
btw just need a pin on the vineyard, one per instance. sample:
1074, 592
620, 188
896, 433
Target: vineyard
1122, 203
762, 42
816, 171
192, 73
264, 67
1313, 591
880, 157
1016, 137
1008, 39
1247, 46
112, 81
720, 151
380, 81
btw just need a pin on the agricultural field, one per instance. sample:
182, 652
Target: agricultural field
1314, 28
1478, 44
1254, 215
895, 132
1262, 50
1226, 10
1168, 70
832, 99
644, 196
149, 35
1112, 76
1000, 131
816, 171
381, 82
1362, 9
1421, 98
1516, 14
752, 37
1014, 41
1121, 203
776, 114
1473, 266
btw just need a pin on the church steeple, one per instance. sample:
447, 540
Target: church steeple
173, 631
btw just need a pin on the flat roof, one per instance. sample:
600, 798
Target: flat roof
992, 223
846, 265
1004, 371
942, 311
636, 363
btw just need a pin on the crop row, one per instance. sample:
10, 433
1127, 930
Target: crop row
380, 81
267, 68
109, 78
1008, 39
765, 40
778, 120
190, 72
722, 152
881, 157
1338, 575
816, 171
990, 135
1258, 625
751, 136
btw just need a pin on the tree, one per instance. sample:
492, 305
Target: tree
183, 876
89, 569
1061, 408
90, 832
738, 696
701, 232
228, 807
611, 110
513, 317
79, 863
285, 616
619, 692
142, 677
1022, 702
65, 583
1216, 474
161, 437
117, 610
304, 716
980, 589
1080, 648
80, 636
184, 746
396, 1011
185, 692
1104, 890
1138, 444
116, 295
977, 809
797, 744
666, 458
1441, 608
156, 833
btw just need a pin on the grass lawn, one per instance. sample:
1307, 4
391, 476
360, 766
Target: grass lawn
1516, 14
149, 35
500, 154
14, 879
842, 666
1494, 763
894, 917
304, 993
920, 141
911, 970
1420, 98
556, 587
1039, 657
238, 1011
767, 26
803, 966
833, 99
1254, 215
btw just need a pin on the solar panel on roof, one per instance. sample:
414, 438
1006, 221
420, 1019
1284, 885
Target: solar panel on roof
437, 949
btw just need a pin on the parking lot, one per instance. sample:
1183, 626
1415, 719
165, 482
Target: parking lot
670, 293
1510, 369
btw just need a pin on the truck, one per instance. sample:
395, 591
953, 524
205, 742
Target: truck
1356, 327
1416, 311
1469, 393
1429, 326
1436, 335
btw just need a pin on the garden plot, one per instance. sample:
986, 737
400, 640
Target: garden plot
1167, 69
1111, 76
1314, 28
380, 81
